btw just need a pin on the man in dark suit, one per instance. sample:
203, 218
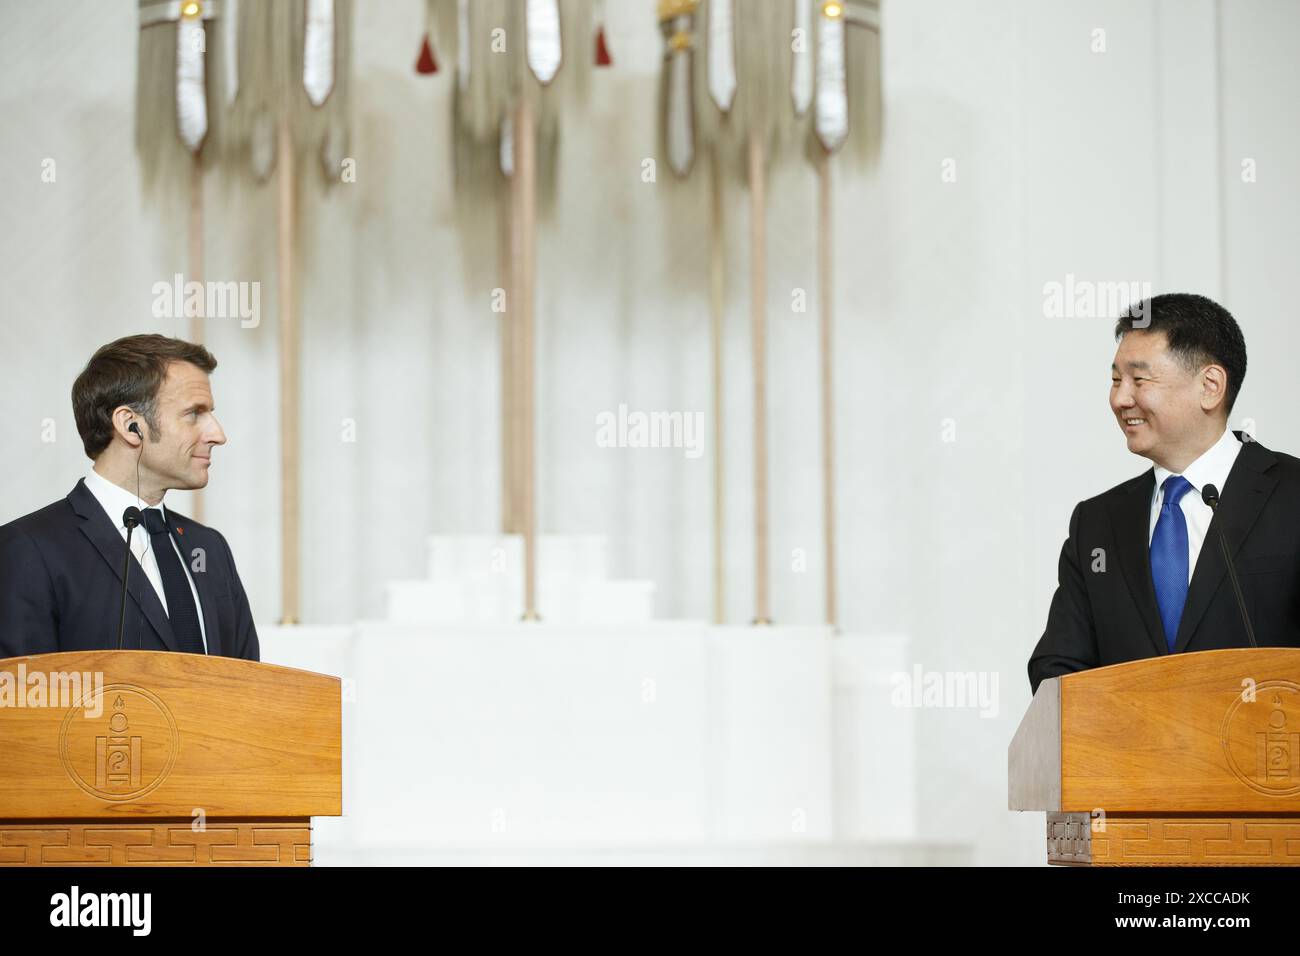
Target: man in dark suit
1142, 572
144, 410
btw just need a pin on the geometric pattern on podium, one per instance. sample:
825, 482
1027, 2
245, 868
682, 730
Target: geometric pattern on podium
265, 843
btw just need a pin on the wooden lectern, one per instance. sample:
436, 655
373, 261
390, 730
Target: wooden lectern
1183, 760
142, 758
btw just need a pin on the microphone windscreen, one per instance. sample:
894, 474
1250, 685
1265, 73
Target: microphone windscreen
1210, 495
131, 517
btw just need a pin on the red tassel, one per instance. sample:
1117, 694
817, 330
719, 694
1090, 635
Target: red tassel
426, 63
602, 50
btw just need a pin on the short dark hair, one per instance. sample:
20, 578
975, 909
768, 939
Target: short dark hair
1199, 332
129, 371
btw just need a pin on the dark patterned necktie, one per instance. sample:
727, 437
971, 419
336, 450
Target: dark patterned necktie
176, 586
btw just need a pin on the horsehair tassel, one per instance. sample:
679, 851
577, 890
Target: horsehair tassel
426, 63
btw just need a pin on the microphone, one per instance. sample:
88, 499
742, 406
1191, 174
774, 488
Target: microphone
1210, 495
130, 519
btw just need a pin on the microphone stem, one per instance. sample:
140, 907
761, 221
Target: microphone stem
1236, 585
126, 571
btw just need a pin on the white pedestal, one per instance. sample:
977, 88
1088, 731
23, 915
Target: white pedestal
478, 579
670, 742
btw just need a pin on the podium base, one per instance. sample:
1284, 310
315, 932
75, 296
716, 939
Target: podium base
154, 842
1136, 839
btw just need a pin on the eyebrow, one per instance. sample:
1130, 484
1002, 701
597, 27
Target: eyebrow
199, 407
1141, 365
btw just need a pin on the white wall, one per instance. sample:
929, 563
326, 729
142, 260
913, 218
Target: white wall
1111, 166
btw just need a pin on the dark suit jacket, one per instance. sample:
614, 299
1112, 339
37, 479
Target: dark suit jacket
61, 585
1107, 617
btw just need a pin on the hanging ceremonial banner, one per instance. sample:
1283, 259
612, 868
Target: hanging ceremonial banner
173, 69
832, 119
318, 51
677, 94
848, 94
722, 54
542, 32
500, 51
294, 61
191, 89
801, 74
764, 63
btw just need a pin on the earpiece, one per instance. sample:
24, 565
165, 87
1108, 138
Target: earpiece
133, 427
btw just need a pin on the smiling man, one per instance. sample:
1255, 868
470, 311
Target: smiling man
1142, 571
145, 413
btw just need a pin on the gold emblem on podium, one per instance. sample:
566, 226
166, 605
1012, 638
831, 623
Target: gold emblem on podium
126, 751
1261, 738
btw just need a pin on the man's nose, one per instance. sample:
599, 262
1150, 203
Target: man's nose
216, 434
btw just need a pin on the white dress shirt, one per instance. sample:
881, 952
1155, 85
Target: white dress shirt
115, 501
1210, 469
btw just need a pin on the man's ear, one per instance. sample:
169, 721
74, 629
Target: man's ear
126, 426
1214, 382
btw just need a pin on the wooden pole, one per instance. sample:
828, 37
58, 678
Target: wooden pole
717, 304
758, 303
289, 543
195, 262
525, 222
828, 391
510, 522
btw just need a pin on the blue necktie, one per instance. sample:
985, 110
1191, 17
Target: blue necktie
1169, 557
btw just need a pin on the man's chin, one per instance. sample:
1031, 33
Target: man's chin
195, 481
1139, 445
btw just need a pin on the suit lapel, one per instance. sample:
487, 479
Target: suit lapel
189, 537
107, 540
1240, 501
1130, 513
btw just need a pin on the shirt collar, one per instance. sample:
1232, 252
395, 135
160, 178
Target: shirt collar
1211, 468
113, 499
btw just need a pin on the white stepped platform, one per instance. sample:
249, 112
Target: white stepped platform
882, 853
478, 579
668, 742
561, 557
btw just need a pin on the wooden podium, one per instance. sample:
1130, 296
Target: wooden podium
1184, 760
141, 758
